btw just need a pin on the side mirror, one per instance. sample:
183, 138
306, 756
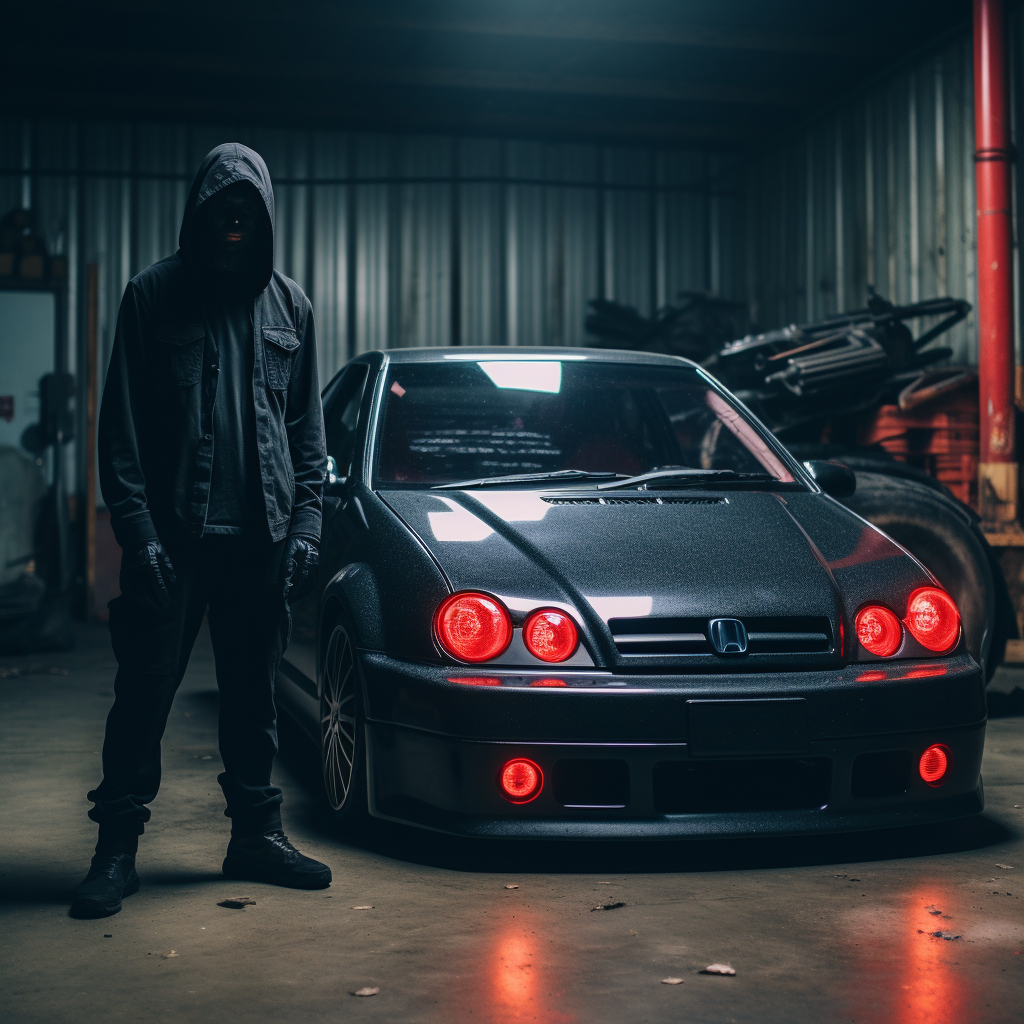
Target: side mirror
832, 477
333, 484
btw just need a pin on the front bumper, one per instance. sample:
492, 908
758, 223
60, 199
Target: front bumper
436, 748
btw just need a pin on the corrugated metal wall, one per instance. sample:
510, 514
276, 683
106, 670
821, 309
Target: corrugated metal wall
881, 192
398, 240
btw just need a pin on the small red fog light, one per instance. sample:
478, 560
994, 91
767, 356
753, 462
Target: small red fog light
521, 781
934, 764
472, 627
550, 635
879, 631
933, 619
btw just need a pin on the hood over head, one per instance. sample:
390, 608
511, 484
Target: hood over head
223, 166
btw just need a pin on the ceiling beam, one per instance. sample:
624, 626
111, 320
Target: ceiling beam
678, 34
416, 76
95, 103
316, 18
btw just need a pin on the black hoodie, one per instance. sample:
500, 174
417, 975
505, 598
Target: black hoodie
156, 453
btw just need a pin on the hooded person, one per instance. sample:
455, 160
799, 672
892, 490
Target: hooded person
212, 463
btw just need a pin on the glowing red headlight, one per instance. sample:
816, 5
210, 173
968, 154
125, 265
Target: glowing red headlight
879, 631
550, 635
521, 781
933, 619
472, 627
935, 763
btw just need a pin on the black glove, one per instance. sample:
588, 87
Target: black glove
299, 566
147, 575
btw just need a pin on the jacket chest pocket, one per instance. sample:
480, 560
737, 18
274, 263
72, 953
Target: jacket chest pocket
180, 353
279, 347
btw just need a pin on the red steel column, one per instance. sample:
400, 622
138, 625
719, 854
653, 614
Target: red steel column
993, 156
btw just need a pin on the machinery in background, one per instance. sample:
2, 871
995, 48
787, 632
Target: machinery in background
37, 423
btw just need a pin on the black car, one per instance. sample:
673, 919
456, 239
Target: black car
570, 593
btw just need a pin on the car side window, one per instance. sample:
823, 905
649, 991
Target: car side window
341, 416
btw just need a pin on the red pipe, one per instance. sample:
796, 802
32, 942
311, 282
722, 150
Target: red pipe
995, 256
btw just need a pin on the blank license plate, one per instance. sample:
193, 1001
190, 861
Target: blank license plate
733, 728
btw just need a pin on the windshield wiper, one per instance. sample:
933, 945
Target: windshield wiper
525, 478
682, 477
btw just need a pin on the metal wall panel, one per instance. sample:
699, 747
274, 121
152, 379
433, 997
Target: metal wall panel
880, 192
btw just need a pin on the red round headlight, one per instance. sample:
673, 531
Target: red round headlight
934, 764
550, 635
879, 631
521, 781
473, 627
933, 619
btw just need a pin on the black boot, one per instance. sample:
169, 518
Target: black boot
111, 877
271, 858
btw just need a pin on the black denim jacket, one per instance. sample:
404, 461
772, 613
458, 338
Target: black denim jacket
156, 417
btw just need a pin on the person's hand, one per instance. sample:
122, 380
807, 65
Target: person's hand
147, 575
299, 566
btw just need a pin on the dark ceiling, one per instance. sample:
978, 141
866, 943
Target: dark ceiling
725, 73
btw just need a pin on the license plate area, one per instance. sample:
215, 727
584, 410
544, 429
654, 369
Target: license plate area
747, 728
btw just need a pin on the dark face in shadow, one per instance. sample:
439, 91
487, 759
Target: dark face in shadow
232, 228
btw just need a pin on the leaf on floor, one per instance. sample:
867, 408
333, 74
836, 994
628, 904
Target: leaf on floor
608, 906
363, 908
366, 991
672, 981
237, 902
1005, 867
511, 886
719, 969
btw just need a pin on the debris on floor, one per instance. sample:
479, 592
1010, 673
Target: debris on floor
366, 991
948, 936
608, 906
933, 910
1005, 867
31, 670
718, 969
167, 956
108, 935
363, 908
672, 981
511, 886
237, 902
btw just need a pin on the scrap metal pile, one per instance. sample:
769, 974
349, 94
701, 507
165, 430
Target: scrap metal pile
797, 377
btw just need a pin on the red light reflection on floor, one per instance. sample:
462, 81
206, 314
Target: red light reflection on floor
902, 973
515, 976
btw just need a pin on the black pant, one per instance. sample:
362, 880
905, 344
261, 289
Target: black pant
238, 580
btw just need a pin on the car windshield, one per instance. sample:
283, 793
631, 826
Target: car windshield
476, 419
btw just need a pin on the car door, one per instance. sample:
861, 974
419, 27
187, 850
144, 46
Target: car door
341, 416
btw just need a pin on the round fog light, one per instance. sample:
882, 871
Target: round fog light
934, 764
521, 781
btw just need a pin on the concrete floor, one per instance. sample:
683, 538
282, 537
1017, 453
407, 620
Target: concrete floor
817, 930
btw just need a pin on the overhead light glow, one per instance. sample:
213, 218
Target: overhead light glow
539, 375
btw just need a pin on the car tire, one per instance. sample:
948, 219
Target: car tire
938, 532
342, 731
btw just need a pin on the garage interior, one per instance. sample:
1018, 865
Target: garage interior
662, 176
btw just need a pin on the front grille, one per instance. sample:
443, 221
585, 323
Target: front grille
880, 773
784, 635
636, 501
586, 782
707, 787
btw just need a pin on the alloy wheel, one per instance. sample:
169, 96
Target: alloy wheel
337, 718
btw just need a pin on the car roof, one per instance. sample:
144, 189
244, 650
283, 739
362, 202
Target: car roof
576, 354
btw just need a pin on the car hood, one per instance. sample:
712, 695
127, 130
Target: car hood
661, 554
